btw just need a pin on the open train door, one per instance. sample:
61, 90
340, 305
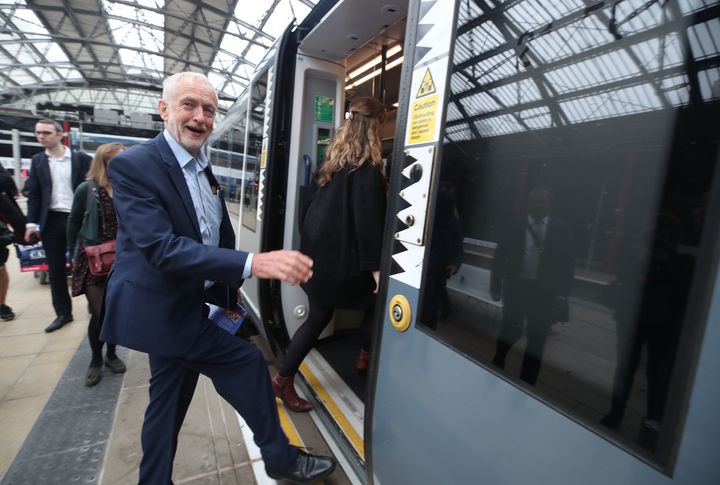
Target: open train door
568, 151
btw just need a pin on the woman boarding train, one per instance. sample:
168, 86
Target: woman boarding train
342, 233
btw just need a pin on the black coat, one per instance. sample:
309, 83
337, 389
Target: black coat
39, 184
342, 232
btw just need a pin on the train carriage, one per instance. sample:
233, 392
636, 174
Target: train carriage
549, 283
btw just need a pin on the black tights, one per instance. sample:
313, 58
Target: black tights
94, 296
308, 333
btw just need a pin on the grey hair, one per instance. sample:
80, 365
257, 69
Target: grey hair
170, 83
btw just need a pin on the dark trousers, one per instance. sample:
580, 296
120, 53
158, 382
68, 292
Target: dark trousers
54, 241
661, 349
238, 372
525, 300
308, 333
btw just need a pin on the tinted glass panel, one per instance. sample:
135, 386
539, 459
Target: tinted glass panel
226, 156
578, 159
254, 149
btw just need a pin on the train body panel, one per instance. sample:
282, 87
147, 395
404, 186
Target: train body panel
582, 354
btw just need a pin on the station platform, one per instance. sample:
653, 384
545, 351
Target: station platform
57, 431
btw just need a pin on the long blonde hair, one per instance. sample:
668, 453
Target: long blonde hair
98, 167
357, 141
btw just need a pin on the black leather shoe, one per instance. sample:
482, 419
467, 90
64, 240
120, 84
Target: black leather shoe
306, 469
59, 322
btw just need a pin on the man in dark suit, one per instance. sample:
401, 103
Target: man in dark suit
55, 173
532, 271
174, 254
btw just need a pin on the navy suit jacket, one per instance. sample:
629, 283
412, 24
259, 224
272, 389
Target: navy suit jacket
39, 183
154, 297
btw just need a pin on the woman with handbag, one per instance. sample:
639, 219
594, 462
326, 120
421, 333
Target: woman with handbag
92, 225
342, 232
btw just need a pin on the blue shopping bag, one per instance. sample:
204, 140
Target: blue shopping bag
31, 257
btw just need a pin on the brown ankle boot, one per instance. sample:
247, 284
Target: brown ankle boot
362, 362
285, 389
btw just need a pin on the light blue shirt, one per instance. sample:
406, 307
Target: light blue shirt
208, 206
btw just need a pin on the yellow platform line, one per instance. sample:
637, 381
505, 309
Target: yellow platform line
291, 431
335, 411
288, 426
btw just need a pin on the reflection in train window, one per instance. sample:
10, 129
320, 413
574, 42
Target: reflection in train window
253, 175
226, 156
578, 159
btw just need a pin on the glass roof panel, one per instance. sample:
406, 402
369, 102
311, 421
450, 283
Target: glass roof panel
572, 39
659, 52
498, 67
709, 84
499, 125
701, 38
138, 42
689, 6
148, 35
480, 39
536, 118
676, 90
517, 92
28, 22
459, 132
453, 113
634, 99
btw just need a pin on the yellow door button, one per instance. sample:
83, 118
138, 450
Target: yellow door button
400, 313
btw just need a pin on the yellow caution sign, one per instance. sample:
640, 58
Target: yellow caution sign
427, 86
423, 116
423, 112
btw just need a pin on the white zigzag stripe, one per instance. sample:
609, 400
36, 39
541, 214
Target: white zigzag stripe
437, 39
411, 262
266, 131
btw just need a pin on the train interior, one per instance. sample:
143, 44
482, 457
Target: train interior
352, 54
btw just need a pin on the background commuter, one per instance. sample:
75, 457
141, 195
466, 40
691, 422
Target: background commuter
342, 232
55, 173
446, 252
93, 219
9, 213
652, 321
532, 271
175, 253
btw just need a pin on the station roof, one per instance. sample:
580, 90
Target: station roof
523, 65
114, 54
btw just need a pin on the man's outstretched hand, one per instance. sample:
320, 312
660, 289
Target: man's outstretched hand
289, 266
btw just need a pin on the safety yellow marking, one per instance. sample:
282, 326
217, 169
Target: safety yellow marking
427, 86
288, 426
291, 431
335, 411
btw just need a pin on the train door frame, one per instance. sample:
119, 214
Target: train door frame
279, 100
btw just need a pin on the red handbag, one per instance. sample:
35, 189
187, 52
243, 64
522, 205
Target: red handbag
100, 258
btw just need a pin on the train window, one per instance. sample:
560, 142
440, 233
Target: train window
577, 165
253, 152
